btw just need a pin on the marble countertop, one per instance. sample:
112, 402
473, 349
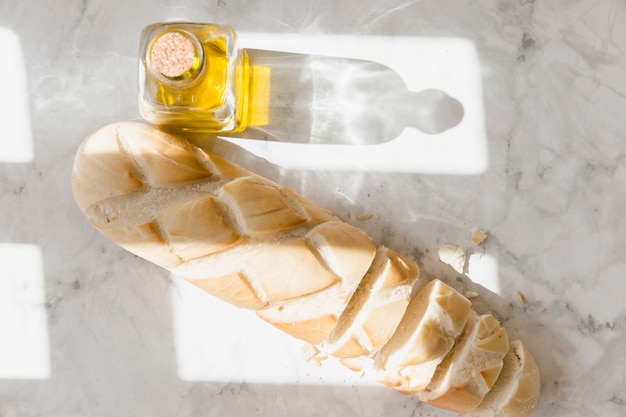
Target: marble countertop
537, 159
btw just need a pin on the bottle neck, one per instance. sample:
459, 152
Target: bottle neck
175, 57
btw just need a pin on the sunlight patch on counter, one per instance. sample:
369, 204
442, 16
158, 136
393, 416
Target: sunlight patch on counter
482, 269
24, 350
16, 143
217, 342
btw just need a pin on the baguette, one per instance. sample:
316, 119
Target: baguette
257, 245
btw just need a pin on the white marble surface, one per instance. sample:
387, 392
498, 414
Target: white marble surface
87, 329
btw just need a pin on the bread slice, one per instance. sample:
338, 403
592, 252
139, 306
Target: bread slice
379, 320
433, 320
471, 368
516, 390
376, 307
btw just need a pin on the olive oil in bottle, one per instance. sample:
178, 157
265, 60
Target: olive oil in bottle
192, 77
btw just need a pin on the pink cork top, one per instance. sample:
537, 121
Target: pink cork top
173, 54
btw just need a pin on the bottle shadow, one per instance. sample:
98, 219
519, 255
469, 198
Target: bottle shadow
302, 98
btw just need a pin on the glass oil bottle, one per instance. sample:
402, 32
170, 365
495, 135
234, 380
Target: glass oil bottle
192, 77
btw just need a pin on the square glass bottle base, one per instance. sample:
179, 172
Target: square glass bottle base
193, 78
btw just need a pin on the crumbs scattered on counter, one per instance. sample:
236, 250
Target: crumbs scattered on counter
364, 217
311, 353
454, 256
521, 297
478, 236
318, 359
308, 352
471, 294
457, 256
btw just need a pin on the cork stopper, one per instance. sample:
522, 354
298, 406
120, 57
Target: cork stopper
173, 55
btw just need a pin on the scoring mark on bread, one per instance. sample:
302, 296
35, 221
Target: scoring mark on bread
258, 207
129, 157
144, 204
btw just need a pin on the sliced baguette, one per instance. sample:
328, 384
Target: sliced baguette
516, 390
257, 245
376, 307
471, 368
433, 320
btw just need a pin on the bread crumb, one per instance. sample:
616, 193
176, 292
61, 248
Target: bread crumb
308, 351
363, 217
471, 294
349, 215
521, 297
318, 359
454, 256
311, 353
479, 236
